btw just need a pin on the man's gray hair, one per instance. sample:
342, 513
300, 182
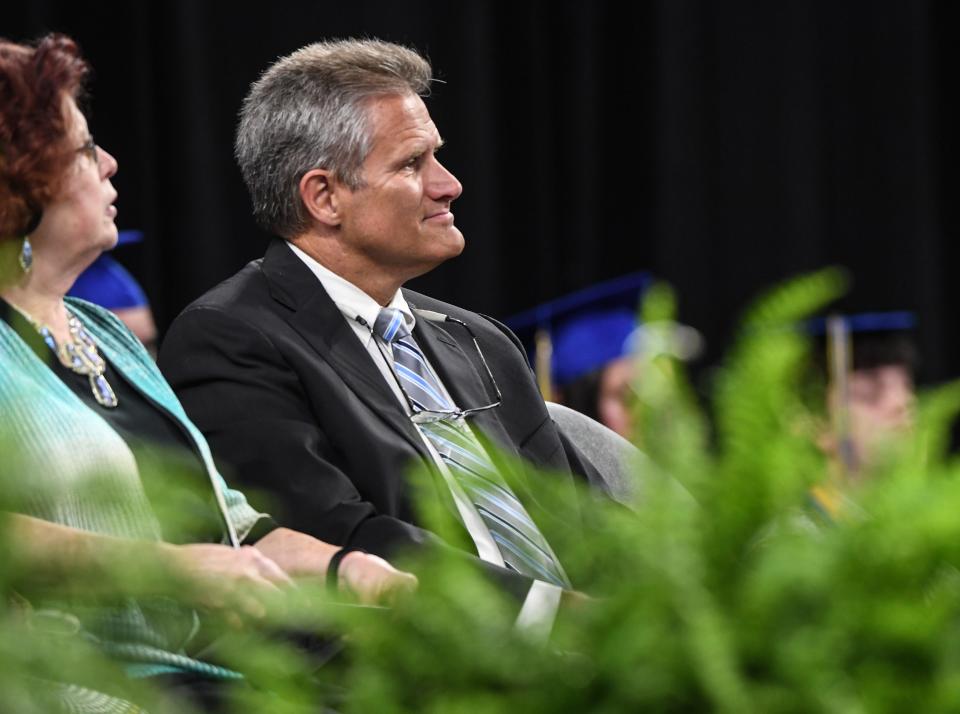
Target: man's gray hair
308, 111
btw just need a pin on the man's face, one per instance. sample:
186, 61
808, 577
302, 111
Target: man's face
881, 401
400, 220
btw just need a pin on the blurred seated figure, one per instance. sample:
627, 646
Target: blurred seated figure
868, 361
583, 347
84, 406
593, 367
108, 284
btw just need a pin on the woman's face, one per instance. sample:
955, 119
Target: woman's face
79, 222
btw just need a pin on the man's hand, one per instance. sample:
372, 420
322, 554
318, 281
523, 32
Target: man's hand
368, 578
373, 580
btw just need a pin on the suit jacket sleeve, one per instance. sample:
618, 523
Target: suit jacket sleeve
249, 404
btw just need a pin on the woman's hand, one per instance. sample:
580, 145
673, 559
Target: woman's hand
372, 580
235, 581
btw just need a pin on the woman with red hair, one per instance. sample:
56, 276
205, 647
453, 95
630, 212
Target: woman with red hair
85, 410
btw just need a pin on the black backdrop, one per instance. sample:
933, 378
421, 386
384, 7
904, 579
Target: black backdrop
723, 145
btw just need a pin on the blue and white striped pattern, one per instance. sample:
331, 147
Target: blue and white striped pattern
521, 543
416, 378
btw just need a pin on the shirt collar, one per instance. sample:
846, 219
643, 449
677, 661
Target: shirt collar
349, 299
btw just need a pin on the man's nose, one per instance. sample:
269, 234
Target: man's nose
442, 184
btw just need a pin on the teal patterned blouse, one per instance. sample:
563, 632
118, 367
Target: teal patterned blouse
77, 471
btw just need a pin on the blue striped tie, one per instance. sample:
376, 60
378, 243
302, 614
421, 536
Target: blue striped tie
521, 543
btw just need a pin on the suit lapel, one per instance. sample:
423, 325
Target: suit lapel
318, 320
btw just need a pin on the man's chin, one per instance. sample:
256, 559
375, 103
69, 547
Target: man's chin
449, 248
455, 241
449, 252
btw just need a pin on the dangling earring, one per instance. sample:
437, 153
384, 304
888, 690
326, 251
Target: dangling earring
26, 256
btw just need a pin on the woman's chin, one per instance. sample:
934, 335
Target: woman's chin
110, 238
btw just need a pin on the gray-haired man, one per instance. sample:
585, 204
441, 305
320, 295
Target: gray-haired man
318, 378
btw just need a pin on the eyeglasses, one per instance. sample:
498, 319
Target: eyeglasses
89, 148
424, 416
419, 415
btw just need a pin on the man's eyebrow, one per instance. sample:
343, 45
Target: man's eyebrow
425, 147
422, 149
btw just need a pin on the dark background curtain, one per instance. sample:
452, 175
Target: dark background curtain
722, 145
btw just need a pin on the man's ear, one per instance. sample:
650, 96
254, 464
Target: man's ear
319, 192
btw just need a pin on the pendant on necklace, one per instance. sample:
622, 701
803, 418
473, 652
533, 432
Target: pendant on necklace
102, 391
80, 355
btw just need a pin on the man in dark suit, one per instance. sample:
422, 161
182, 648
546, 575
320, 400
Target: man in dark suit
317, 378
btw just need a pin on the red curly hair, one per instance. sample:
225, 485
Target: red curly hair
33, 126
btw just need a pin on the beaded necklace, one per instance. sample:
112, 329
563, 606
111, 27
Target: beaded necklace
79, 354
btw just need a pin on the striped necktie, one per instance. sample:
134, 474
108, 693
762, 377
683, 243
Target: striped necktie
521, 543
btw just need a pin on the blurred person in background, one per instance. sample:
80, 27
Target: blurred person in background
108, 284
584, 348
594, 367
868, 362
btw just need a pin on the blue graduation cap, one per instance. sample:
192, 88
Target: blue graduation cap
574, 335
868, 339
107, 283
879, 322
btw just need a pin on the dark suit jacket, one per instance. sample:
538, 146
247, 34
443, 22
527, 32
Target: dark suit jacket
290, 400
